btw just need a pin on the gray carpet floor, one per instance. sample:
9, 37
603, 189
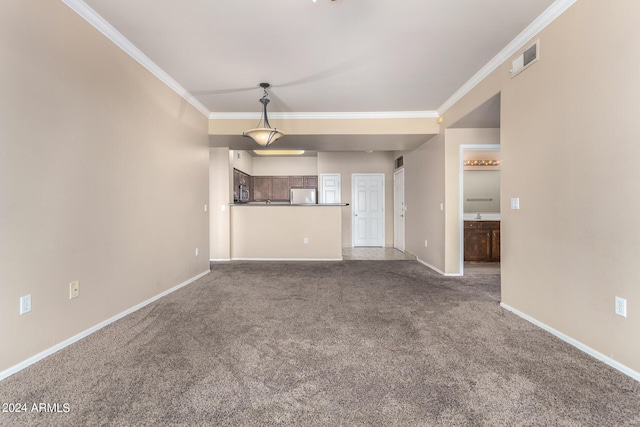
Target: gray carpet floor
325, 343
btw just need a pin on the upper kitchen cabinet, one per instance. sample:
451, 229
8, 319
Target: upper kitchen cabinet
262, 188
280, 188
311, 181
239, 178
277, 188
297, 181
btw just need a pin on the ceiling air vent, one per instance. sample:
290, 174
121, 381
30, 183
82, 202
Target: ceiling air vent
526, 58
399, 162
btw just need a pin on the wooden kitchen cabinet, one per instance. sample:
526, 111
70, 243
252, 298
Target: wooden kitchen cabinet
276, 188
279, 188
495, 244
482, 241
236, 183
240, 177
262, 188
296, 181
311, 181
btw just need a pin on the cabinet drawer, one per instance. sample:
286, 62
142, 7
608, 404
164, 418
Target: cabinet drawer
490, 225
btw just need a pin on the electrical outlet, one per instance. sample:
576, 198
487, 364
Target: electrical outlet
425, 243
74, 290
621, 307
25, 304
306, 240
205, 207
196, 251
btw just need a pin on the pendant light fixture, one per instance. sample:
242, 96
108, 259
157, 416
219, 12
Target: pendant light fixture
265, 134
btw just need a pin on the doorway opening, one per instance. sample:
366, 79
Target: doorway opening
480, 209
483, 136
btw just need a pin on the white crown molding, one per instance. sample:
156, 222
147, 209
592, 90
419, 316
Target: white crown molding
99, 23
93, 18
330, 115
547, 17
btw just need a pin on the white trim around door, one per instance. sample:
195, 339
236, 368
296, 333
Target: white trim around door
398, 210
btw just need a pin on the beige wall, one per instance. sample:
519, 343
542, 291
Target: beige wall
220, 195
278, 232
274, 166
573, 244
103, 176
377, 126
242, 160
424, 193
348, 163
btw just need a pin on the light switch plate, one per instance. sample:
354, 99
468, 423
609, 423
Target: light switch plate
515, 203
74, 289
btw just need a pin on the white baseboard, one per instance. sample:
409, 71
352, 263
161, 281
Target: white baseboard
436, 269
30, 361
219, 259
577, 344
287, 259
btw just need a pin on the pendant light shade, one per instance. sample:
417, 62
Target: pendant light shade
263, 135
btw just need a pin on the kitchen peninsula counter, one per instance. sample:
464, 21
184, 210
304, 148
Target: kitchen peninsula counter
281, 231
288, 204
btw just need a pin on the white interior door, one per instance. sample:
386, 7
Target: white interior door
330, 188
398, 210
368, 209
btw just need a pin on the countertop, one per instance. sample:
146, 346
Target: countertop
287, 204
492, 216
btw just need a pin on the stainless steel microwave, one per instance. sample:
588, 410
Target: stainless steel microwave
243, 193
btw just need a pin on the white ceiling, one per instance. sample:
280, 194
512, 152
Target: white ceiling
324, 56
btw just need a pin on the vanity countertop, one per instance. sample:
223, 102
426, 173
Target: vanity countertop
484, 216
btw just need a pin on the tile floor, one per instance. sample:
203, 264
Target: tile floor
481, 268
365, 253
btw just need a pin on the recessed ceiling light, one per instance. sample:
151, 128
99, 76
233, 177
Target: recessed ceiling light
278, 152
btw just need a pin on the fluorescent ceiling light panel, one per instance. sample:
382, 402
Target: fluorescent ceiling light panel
278, 152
